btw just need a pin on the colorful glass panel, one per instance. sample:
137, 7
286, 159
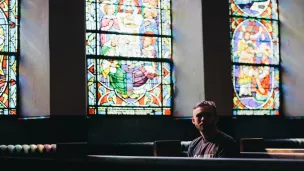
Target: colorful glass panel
267, 9
124, 19
91, 44
91, 81
13, 25
9, 26
129, 57
166, 22
256, 87
252, 40
127, 5
8, 85
166, 4
166, 48
128, 46
128, 83
9, 54
91, 15
255, 56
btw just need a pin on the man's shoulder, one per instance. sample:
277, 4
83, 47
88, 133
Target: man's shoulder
228, 145
227, 138
195, 141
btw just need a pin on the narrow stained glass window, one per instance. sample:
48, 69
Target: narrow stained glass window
9, 55
255, 55
129, 57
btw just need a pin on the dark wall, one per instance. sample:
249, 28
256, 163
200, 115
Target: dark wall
217, 61
136, 129
130, 129
67, 60
67, 57
125, 129
36, 131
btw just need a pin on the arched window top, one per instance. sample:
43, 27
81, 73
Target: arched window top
266, 9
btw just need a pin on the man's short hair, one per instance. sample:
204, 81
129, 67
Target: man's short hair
206, 103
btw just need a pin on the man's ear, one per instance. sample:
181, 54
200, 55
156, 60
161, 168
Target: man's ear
193, 120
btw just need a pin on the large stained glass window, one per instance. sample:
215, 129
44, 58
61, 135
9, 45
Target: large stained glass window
255, 55
9, 55
129, 57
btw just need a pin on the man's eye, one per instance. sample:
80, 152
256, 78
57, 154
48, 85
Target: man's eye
203, 115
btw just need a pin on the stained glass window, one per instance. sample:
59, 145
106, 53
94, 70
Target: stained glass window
9, 55
255, 55
129, 57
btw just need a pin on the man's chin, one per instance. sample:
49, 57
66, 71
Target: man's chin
203, 128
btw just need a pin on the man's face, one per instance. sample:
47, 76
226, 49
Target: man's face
204, 118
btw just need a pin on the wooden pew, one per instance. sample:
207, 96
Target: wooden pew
272, 148
137, 163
